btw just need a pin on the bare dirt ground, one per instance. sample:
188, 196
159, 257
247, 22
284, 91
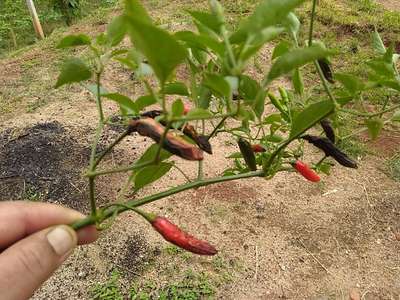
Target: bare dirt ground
280, 239
390, 4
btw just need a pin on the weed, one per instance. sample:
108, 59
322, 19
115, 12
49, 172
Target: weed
108, 290
393, 167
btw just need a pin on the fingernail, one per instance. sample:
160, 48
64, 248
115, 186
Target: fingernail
61, 240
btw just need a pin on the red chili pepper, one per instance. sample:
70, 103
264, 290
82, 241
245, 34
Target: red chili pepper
186, 109
257, 148
305, 170
176, 236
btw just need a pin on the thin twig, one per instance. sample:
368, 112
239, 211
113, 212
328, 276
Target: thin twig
314, 257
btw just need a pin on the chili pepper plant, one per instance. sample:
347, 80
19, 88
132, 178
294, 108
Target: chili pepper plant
223, 97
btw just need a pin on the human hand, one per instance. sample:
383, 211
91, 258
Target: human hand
34, 243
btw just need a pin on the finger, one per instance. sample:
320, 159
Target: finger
28, 263
87, 235
19, 219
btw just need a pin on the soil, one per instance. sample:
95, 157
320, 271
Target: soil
281, 239
390, 4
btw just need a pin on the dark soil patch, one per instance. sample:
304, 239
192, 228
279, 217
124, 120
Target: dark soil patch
45, 162
131, 254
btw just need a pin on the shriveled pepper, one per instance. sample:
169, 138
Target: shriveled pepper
201, 140
248, 154
328, 129
178, 237
326, 69
331, 150
174, 144
306, 171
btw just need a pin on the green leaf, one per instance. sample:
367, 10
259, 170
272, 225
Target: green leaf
295, 59
176, 88
145, 101
235, 155
116, 30
134, 8
127, 106
177, 108
273, 118
309, 117
218, 85
208, 20
350, 82
233, 82
201, 41
374, 126
162, 50
73, 70
396, 116
144, 70
150, 174
93, 89
248, 88
74, 40
259, 104
198, 114
382, 68
268, 13
377, 43
298, 82
204, 97
150, 154
280, 49
292, 23
393, 84
260, 39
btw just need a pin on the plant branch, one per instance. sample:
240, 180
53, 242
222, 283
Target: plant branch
217, 127
136, 203
361, 114
132, 167
110, 147
183, 173
98, 98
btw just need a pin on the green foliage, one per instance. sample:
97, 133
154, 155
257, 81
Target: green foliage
393, 167
227, 99
108, 290
16, 24
73, 70
192, 287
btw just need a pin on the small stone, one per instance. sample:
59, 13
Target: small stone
354, 295
82, 275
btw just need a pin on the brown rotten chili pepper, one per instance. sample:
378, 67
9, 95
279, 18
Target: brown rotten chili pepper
248, 154
201, 140
331, 150
174, 144
188, 130
178, 237
328, 129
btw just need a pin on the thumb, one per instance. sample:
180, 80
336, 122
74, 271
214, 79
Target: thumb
28, 263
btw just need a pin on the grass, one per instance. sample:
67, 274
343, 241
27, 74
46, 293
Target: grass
169, 277
393, 167
108, 290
